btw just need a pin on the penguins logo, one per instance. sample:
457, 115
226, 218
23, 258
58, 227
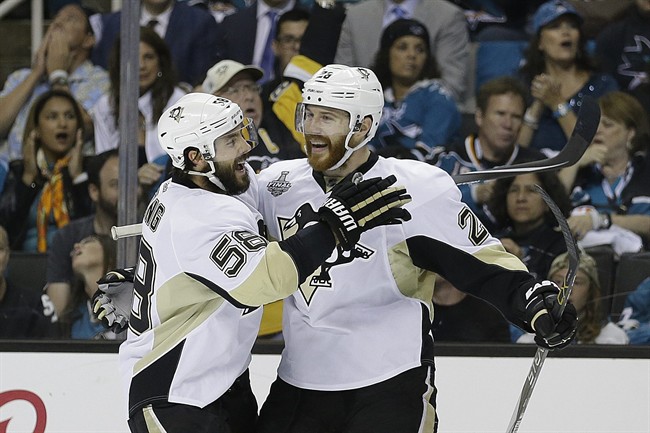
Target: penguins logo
321, 278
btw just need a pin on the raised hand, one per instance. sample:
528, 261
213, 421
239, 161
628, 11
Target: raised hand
357, 206
59, 55
30, 172
75, 166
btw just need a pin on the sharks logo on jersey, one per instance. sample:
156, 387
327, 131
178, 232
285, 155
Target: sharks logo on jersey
321, 279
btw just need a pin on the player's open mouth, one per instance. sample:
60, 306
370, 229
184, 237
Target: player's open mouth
318, 146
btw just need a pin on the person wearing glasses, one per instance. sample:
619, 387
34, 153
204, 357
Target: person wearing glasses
240, 83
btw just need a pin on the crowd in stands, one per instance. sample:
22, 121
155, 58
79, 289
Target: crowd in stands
532, 62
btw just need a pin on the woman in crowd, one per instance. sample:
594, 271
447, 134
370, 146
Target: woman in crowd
593, 326
419, 114
45, 190
529, 229
612, 180
559, 73
158, 90
92, 257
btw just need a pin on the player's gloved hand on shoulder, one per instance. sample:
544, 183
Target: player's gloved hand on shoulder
356, 205
552, 329
112, 301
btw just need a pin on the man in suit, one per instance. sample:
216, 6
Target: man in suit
365, 21
190, 33
246, 36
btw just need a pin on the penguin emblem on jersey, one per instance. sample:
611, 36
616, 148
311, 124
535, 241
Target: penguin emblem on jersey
321, 278
280, 185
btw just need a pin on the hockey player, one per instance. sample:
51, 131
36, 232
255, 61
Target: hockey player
203, 269
358, 353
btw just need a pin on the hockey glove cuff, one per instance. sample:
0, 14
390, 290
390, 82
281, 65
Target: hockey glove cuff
112, 301
552, 329
355, 206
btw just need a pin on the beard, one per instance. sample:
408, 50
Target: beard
107, 207
226, 172
335, 151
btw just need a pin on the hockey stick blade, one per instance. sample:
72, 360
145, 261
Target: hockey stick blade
563, 298
583, 133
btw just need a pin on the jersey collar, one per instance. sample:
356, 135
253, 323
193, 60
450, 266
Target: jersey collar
363, 168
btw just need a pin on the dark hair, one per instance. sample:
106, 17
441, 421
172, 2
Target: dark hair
109, 249
535, 62
499, 86
96, 163
381, 65
162, 88
39, 104
297, 14
548, 180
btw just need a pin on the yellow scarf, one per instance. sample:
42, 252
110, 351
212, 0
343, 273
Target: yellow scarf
52, 199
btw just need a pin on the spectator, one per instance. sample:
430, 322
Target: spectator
286, 45
560, 73
611, 182
317, 48
593, 326
419, 113
159, 89
246, 36
623, 46
103, 177
500, 108
528, 228
445, 22
237, 82
517, 15
190, 34
635, 318
465, 318
62, 63
46, 189
221, 9
91, 258
24, 311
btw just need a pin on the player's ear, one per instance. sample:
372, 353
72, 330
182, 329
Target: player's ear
192, 157
364, 126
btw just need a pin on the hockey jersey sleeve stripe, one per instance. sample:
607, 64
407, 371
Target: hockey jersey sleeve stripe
275, 277
491, 274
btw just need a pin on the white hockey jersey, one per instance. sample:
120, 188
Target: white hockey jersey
202, 270
365, 316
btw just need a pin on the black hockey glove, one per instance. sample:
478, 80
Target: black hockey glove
355, 206
112, 301
552, 330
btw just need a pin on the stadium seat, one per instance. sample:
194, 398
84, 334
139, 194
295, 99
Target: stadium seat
27, 270
631, 270
605, 258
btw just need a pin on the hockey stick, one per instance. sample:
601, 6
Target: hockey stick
563, 297
583, 133
119, 232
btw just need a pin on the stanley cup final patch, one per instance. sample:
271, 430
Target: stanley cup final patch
280, 185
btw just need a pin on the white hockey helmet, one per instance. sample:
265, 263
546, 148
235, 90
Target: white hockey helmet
197, 120
355, 90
